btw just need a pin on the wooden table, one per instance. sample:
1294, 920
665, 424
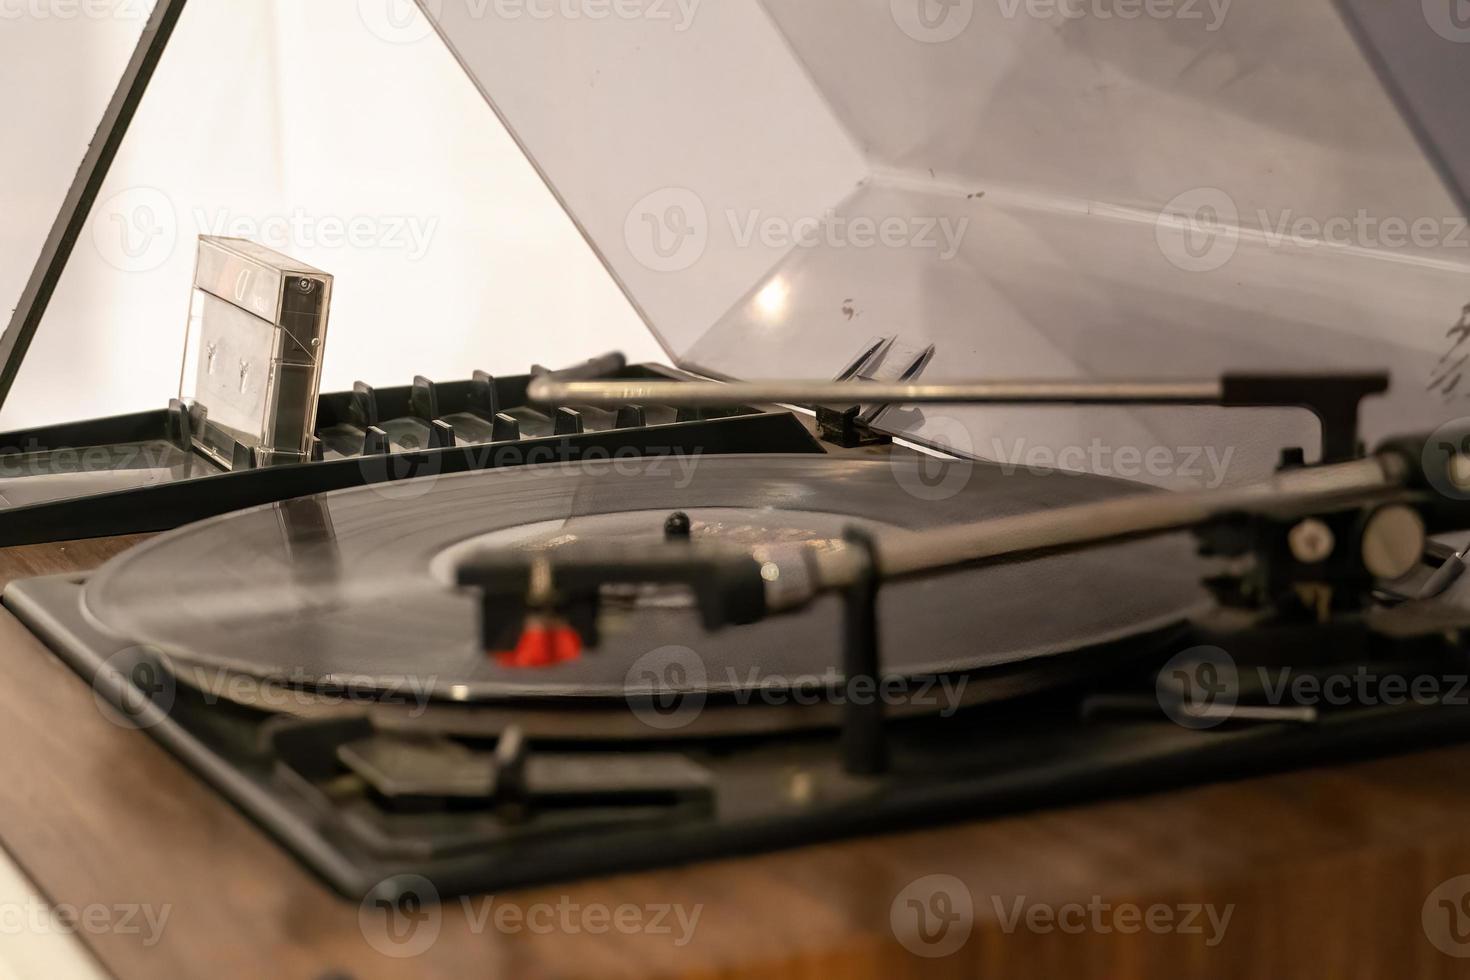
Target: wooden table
1326, 873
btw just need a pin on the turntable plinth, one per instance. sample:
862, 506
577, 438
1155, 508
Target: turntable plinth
1328, 870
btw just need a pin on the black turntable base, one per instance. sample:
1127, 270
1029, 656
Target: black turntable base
600, 807
428, 759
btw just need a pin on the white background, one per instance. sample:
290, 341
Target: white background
262, 110
299, 122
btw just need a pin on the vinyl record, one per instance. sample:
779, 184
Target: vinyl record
352, 590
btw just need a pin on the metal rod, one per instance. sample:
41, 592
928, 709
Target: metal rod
1143, 513
695, 394
85, 186
902, 554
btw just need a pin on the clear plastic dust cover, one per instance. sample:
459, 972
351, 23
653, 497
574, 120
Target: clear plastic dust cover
1078, 188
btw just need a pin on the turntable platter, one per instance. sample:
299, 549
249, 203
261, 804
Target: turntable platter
352, 589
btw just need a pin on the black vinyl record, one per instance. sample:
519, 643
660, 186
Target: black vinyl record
352, 590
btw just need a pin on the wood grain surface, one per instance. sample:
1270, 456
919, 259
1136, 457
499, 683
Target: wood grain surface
1324, 873
56, 558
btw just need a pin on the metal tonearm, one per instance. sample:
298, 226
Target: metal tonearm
796, 574
740, 586
688, 394
1333, 398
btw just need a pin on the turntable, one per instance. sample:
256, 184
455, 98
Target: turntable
790, 598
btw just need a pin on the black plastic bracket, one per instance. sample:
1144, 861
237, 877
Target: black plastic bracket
727, 585
168, 504
178, 427
1334, 398
507, 428
482, 399
375, 442
842, 427
504, 586
441, 434
569, 422
362, 411
423, 400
